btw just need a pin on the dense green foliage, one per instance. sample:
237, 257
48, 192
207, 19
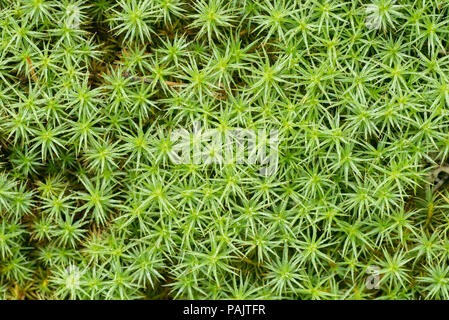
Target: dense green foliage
92, 207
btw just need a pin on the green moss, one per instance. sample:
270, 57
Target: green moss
94, 203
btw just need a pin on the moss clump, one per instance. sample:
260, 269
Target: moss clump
95, 203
